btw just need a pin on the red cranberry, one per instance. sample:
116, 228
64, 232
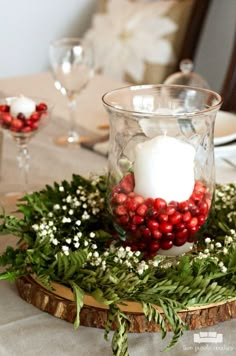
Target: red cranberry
175, 218
199, 187
165, 227
197, 196
141, 245
179, 241
193, 222
142, 210
170, 210
169, 236
35, 116
137, 220
34, 126
159, 203
26, 129
149, 202
154, 246
193, 230
124, 219
137, 234
134, 248
4, 108
132, 227
183, 206
120, 198
16, 124
152, 224
121, 210
195, 211
21, 116
138, 199
156, 234
166, 244
203, 207
146, 232
186, 216
182, 234
201, 220
163, 218
153, 213
6, 118
180, 226
132, 204
173, 203
41, 107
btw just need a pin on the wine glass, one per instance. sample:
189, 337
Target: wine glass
72, 65
23, 117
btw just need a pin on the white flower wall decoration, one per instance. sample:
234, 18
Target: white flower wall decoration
131, 34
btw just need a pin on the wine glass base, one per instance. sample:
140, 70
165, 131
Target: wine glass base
70, 141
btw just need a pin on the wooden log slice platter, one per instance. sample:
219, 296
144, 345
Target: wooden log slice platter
60, 303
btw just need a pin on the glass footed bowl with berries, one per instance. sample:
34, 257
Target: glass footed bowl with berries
22, 117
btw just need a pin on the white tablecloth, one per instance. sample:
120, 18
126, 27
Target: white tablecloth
27, 331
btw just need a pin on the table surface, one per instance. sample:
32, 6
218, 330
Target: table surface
25, 330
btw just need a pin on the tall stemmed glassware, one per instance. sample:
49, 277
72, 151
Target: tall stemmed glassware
72, 65
23, 117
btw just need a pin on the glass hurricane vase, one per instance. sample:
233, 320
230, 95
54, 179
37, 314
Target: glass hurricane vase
161, 165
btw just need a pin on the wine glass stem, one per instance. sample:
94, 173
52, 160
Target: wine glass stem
73, 134
23, 158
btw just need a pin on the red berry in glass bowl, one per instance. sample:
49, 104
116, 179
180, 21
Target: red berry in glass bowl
17, 125
41, 107
18, 116
4, 108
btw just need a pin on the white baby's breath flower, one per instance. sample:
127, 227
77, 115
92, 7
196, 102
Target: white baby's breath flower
225, 251
66, 220
224, 269
65, 250
61, 189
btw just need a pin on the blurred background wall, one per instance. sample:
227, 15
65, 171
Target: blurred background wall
27, 27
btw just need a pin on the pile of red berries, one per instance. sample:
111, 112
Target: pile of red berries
20, 123
153, 224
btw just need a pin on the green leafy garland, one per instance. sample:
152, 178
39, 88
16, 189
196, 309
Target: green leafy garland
67, 237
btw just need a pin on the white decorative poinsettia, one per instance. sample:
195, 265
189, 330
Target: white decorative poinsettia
131, 34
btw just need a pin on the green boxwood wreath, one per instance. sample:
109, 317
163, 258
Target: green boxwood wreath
66, 234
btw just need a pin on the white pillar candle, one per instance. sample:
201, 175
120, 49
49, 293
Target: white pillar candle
22, 105
164, 168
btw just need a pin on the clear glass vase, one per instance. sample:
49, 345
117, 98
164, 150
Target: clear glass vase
161, 165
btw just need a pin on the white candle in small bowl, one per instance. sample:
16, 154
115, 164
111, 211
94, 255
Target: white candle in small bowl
23, 105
